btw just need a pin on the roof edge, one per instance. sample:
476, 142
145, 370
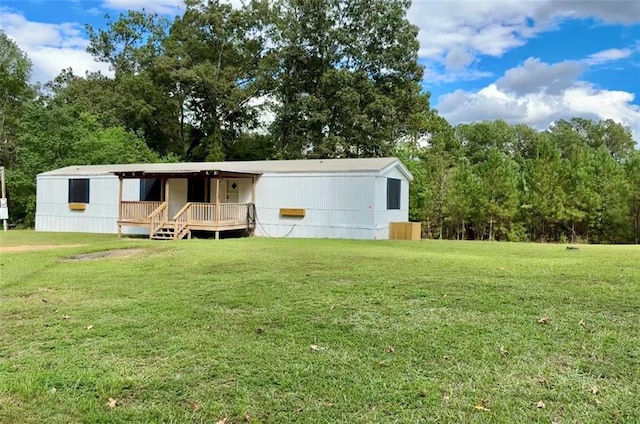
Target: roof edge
403, 169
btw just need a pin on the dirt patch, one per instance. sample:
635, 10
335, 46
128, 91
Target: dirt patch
114, 253
34, 247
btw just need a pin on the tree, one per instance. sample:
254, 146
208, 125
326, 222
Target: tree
219, 62
479, 137
616, 138
632, 168
15, 92
130, 44
142, 97
462, 197
610, 220
53, 136
543, 195
499, 199
349, 81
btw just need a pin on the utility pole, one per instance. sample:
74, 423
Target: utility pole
4, 210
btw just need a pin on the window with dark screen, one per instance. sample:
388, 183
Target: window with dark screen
197, 190
151, 190
393, 193
79, 190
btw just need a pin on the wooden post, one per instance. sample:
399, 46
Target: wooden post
217, 203
166, 192
120, 183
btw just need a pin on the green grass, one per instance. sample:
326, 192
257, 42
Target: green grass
228, 325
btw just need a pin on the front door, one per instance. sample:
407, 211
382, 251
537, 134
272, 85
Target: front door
233, 194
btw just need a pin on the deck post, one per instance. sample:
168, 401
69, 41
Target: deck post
120, 182
166, 192
217, 203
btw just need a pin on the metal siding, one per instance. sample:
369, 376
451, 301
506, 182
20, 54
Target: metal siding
53, 213
101, 214
244, 189
384, 216
130, 190
336, 206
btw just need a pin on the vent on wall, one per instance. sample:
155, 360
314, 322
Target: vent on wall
299, 213
77, 206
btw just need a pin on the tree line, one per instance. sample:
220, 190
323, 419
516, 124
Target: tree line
290, 79
577, 181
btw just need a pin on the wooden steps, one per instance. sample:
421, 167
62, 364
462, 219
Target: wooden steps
166, 232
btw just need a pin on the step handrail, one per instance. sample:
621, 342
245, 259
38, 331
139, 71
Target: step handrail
182, 220
158, 218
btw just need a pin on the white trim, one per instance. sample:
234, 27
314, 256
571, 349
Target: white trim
397, 163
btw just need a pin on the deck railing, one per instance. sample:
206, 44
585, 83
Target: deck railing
137, 211
190, 213
203, 212
233, 212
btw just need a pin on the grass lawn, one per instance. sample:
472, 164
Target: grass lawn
318, 331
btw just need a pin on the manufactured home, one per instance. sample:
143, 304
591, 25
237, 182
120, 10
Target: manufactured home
330, 198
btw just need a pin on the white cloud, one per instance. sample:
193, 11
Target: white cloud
536, 76
436, 75
95, 11
493, 27
458, 58
513, 99
51, 47
608, 55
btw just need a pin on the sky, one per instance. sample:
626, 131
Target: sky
524, 61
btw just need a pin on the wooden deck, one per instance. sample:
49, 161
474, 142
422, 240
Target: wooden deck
192, 216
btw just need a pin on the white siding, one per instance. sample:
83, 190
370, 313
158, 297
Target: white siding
384, 216
101, 213
336, 206
350, 205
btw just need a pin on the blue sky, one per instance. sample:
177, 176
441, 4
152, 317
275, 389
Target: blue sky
524, 61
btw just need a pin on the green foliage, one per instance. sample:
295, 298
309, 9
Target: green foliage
499, 195
218, 60
348, 78
53, 136
577, 181
463, 198
632, 169
544, 199
15, 69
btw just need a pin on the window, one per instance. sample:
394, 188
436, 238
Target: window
393, 193
151, 190
79, 190
197, 190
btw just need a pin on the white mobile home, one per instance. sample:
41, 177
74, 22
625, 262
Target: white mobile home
330, 198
